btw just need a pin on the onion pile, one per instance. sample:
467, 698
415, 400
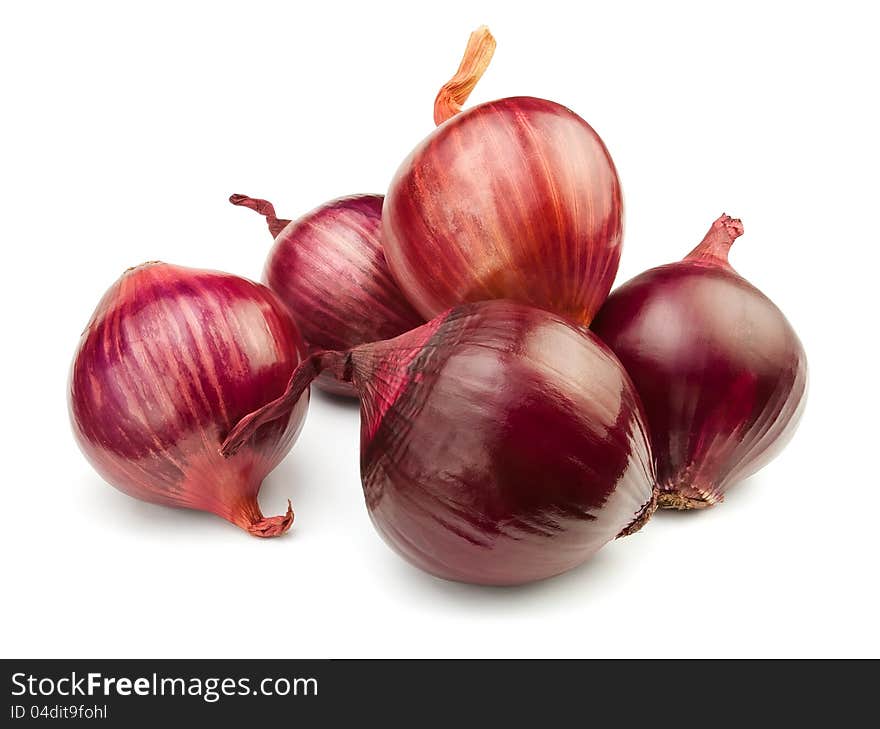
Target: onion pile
329, 268
515, 417
499, 443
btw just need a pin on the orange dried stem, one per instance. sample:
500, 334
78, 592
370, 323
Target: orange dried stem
248, 516
272, 526
449, 102
716, 245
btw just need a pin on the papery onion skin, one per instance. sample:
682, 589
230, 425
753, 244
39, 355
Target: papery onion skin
721, 372
500, 443
329, 268
172, 358
516, 198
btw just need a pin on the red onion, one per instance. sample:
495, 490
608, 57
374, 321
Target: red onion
720, 371
329, 268
172, 358
516, 198
499, 443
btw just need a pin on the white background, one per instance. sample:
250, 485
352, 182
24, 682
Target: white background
123, 132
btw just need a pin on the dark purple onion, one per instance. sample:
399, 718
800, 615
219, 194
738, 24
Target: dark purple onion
172, 358
499, 443
329, 268
721, 372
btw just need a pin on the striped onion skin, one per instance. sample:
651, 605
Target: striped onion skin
172, 358
500, 443
516, 198
720, 370
329, 268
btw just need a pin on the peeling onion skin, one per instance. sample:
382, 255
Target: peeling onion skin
721, 372
516, 198
500, 443
329, 268
170, 360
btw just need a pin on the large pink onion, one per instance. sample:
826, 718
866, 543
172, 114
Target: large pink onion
329, 268
516, 198
499, 443
172, 358
721, 372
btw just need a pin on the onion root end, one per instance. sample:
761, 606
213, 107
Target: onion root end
677, 500
643, 516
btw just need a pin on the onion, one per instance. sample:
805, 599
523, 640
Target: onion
170, 360
329, 268
721, 372
516, 198
499, 443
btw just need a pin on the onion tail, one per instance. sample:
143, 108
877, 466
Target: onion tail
299, 382
251, 519
477, 55
715, 246
264, 208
